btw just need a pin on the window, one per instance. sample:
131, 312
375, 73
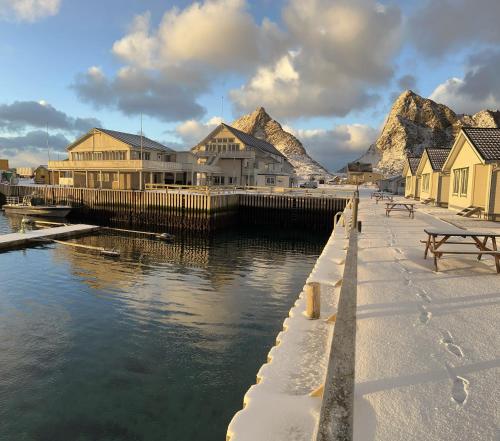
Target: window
425, 182
460, 181
270, 180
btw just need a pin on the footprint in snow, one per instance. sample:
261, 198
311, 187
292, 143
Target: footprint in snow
425, 316
449, 344
460, 390
424, 296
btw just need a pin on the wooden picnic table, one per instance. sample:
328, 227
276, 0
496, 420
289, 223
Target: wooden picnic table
382, 196
400, 206
437, 238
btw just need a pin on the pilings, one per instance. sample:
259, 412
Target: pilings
187, 210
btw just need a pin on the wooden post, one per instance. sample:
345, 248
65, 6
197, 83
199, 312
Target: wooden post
313, 303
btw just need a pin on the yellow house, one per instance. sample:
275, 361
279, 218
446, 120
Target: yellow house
4, 164
243, 159
110, 159
434, 184
473, 165
410, 174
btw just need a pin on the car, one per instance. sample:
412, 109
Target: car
309, 184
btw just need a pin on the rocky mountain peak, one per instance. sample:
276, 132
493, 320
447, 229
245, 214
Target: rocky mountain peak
261, 125
415, 122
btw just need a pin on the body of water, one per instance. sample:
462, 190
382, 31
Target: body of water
160, 344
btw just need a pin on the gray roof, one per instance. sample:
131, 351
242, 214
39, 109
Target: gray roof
485, 140
252, 141
135, 140
413, 163
359, 167
437, 157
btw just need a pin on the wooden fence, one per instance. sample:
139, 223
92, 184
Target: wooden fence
185, 210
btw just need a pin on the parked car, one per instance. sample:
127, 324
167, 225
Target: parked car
309, 184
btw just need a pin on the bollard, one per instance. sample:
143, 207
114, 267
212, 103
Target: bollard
313, 304
359, 226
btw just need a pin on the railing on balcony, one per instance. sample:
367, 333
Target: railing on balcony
240, 154
129, 165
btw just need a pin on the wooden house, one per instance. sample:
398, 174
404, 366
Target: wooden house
433, 183
473, 166
410, 175
362, 173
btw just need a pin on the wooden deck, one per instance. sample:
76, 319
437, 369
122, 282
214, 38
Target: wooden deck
34, 237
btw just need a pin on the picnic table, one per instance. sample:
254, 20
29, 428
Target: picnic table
382, 196
400, 206
437, 238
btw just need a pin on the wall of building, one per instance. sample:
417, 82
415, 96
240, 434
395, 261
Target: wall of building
495, 189
466, 158
4, 164
444, 190
430, 192
409, 184
480, 187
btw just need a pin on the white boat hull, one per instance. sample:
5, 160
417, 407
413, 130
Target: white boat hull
56, 211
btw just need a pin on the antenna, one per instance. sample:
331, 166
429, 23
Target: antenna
47, 141
142, 156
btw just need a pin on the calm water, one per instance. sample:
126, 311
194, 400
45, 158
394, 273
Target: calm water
158, 345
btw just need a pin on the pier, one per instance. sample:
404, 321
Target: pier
35, 237
399, 351
192, 208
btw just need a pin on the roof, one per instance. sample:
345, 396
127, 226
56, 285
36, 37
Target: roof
359, 167
485, 140
252, 141
135, 140
437, 157
413, 162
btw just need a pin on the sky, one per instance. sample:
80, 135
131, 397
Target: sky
327, 70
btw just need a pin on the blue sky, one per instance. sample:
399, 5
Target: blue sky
328, 70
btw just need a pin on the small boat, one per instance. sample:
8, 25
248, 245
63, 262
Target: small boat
34, 206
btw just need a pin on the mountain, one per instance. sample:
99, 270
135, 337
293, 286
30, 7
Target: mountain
261, 125
414, 123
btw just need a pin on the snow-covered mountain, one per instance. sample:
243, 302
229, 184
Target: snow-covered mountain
414, 123
261, 125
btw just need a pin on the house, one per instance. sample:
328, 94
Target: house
362, 173
25, 172
433, 183
41, 175
4, 164
242, 159
394, 185
110, 159
473, 165
410, 175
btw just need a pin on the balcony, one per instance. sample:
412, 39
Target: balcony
241, 154
126, 165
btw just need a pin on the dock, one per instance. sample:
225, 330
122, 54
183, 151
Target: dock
34, 237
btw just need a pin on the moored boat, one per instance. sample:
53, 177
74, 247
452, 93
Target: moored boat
33, 206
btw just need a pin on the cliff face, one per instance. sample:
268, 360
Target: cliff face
414, 123
261, 125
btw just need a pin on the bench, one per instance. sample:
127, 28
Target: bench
400, 206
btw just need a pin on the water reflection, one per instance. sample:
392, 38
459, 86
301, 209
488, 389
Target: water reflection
159, 344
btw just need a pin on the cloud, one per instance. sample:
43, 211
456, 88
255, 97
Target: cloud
479, 89
439, 26
407, 82
162, 95
30, 149
191, 131
22, 114
28, 10
338, 51
333, 148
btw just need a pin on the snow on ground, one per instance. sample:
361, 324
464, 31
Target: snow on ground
428, 344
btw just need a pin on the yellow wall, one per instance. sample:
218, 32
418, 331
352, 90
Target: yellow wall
466, 157
496, 195
4, 164
100, 142
433, 183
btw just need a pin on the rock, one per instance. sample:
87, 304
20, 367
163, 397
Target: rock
414, 123
261, 125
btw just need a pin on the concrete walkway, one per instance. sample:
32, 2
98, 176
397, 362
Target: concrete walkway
428, 344
33, 237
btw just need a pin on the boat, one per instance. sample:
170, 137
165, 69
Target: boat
35, 206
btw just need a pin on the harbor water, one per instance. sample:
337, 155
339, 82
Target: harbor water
160, 344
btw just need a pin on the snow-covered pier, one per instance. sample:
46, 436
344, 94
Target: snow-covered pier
34, 237
427, 352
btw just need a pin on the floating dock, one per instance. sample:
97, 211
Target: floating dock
33, 237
